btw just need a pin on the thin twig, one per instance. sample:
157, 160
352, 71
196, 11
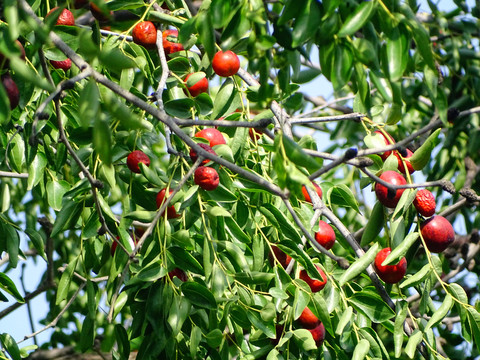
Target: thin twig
13, 175
319, 119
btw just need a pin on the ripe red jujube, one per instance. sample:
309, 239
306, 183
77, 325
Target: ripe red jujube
438, 233
207, 178
201, 86
213, 136
318, 190
145, 34
135, 158
391, 274
171, 212
394, 178
194, 156
325, 235
225, 63
315, 285
424, 202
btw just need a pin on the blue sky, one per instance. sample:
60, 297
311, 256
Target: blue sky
17, 323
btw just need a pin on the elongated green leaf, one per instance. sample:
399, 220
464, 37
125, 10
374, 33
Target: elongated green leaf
227, 99
359, 265
344, 320
400, 251
342, 66
417, 278
87, 335
297, 155
412, 343
397, 52
307, 23
122, 341
357, 19
205, 30
375, 224
319, 308
11, 346
89, 104
441, 312
361, 350
65, 280
341, 195
184, 260
398, 327
37, 241
9, 286
12, 241
36, 170
199, 295
55, 192
304, 339
280, 221
422, 155
371, 305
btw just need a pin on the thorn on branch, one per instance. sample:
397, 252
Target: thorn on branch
364, 162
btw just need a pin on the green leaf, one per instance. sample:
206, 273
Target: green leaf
357, 19
122, 341
412, 343
178, 314
8, 285
4, 106
417, 278
102, 140
344, 320
226, 100
342, 66
423, 154
297, 155
28, 75
65, 280
55, 192
87, 335
199, 295
400, 251
254, 277
398, 327
218, 211
307, 23
88, 104
341, 195
36, 170
372, 306
214, 338
361, 350
375, 224
397, 52
234, 229
359, 265
280, 221
304, 339
11, 346
12, 241
184, 260
440, 313
68, 216
37, 241
204, 26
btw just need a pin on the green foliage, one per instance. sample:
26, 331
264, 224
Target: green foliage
216, 274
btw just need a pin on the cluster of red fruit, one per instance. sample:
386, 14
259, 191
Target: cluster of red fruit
436, 231
224, 63
325, 236
205, 177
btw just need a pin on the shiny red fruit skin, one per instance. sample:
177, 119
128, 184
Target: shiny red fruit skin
171, 212
65, 17
62, 64
401, 167
179, 273
282, 258
207, 178
196, 89
194, 157
225, 63
308, 319
315, 285
318, 334
145, 34
171, 47
213, 136
394, 178
388, 141
424, 202
325, 235
136, 157
318, 189
11, 89
438, 233
391, 274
